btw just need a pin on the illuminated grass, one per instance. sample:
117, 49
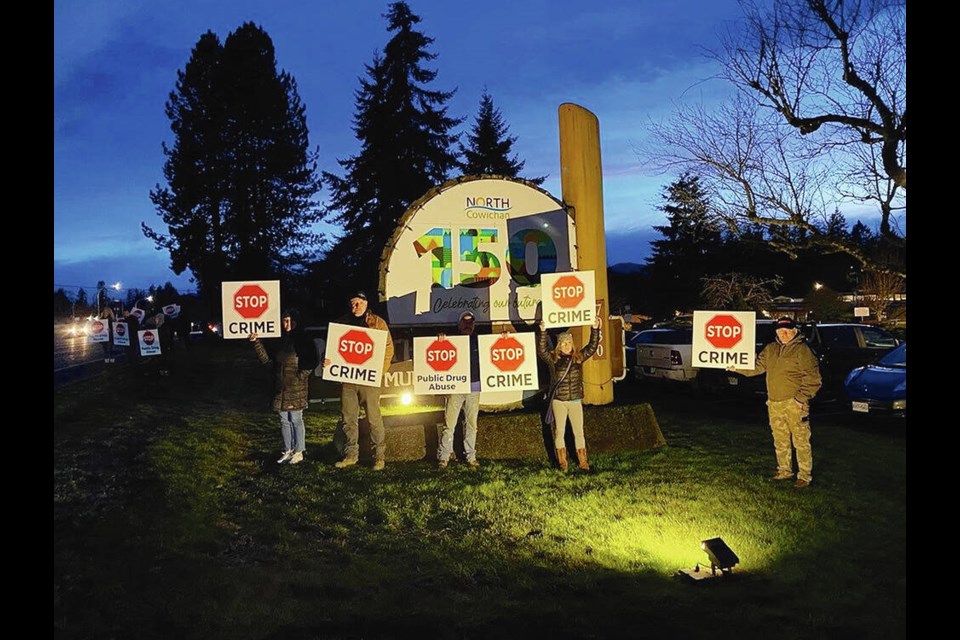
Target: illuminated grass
172, 519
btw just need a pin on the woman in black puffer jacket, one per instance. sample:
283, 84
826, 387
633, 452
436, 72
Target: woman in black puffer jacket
293, 362
566, 383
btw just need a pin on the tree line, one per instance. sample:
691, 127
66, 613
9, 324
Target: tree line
81, 303
700, 264
819, 119
242, 182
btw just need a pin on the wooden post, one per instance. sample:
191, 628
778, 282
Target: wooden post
581, 180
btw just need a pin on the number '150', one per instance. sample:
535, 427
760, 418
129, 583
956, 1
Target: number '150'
525, 272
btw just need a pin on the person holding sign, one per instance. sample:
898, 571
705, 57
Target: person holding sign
793, 378
293, 362
351, 395
109, 318
566, 389
470, 402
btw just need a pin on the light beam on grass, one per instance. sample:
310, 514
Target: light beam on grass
643, 532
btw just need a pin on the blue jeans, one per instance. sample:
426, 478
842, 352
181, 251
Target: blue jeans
471, 407
291, 426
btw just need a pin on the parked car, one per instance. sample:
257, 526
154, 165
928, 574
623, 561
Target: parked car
839, 347
880, 387
662, 353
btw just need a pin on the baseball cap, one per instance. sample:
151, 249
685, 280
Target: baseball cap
786, 323
359, 294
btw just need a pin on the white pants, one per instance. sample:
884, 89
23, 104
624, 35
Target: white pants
562, 409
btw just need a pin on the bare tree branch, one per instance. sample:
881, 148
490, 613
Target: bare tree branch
819, 122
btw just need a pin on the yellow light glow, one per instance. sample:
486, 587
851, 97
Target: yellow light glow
406, 398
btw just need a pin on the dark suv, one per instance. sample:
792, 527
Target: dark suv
839, 347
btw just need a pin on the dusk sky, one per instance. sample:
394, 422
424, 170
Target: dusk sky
116, 61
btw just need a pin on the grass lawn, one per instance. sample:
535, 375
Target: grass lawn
172, 520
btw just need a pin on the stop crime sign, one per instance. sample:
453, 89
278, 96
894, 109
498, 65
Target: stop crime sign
506, 354
250, 301
441, 356
356, 347
568, 291
723, 331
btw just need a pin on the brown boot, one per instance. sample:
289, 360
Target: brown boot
582, 459
562, 458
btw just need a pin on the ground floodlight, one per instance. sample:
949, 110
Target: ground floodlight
721, 557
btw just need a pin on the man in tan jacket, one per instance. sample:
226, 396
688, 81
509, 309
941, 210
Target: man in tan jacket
351, 395
793, 378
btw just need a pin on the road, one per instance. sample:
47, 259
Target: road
76, 356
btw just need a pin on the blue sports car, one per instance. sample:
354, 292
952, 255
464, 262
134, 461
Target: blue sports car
880, 387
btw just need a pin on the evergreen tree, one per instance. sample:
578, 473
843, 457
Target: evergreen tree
405, 149
691, 248
134, 295
62, 305
240, 180
490, 145
81, 302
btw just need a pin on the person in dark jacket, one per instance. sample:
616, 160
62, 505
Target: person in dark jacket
294, 360
793, 378
566, 383
133, 318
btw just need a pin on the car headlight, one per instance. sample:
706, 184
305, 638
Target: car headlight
900, 405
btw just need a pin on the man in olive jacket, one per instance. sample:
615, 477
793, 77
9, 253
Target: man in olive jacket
351, 395
793, 378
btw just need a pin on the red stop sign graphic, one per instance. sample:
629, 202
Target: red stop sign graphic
441, 356
97, 326
148, 338
506, 354
568, 291
723, 331
250, 301
356, 347
119, 329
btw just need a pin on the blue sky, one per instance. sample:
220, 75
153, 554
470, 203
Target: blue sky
115, 62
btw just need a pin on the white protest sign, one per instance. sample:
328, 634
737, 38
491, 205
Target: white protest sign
569, 299
356, 354
149, 342
251, 307
441, 367
121, 334
723, 339
508, 363
99, 330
